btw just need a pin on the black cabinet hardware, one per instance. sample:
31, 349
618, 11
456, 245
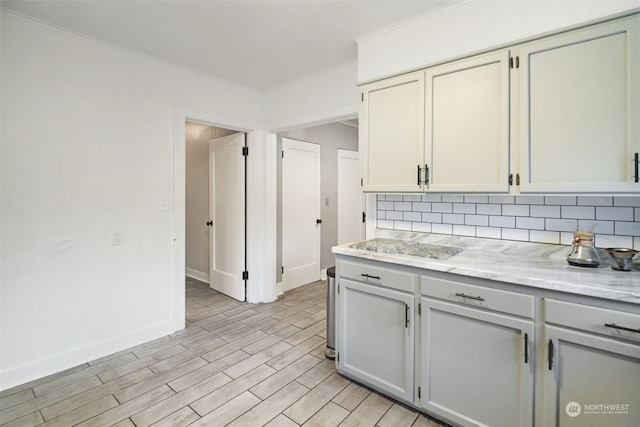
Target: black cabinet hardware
426, 174
318, 221
510, 179
418, 175
406, 315
210, 223
469, 297
622, 328
364, 217
636, 161
550, 355
526, 348
370, 277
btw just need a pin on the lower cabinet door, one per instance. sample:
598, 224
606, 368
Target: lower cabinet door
590, 380
476, 367
376, 337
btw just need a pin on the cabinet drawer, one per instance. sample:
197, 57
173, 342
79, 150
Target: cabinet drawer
593, 319
377, 275
478, 296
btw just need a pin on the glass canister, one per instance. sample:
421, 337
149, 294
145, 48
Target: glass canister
583, 253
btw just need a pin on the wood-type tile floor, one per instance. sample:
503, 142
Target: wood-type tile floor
235, 364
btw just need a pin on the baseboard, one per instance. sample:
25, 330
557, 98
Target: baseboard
198, 275
323, 274
60, 362
279, 289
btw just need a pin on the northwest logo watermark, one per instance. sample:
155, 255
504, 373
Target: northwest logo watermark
573, 409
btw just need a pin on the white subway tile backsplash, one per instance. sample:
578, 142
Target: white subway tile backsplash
431, 198
464, 230
552, 224
421, 227
488, 232
508, 200
502, 221
476, 199
421, 207
442, 207
431, 217
529, 200
489, 209
515, 210
385, 223
627, 228
545, 211
395, 215
620, 214
542, 219
513, 234
481, 220
453, 198
633, 201
544, 236
606, 241
598, 227
402, 206
464, 208
560, 200
412, 216
530, 223
595, 201
442, 228
453, 218
578, 212
402, 225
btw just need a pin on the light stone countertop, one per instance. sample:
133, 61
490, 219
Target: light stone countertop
542, 266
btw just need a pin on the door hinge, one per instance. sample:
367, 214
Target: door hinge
419, 309
364, 217
517, 62
419, 393
283, 154
338, 287
338, 356
245, 151
517, 179
510, 179
362, 96
511, 62
245, 275
282, 269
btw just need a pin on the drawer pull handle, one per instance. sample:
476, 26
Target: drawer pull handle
622, 328
368, 276
469, 297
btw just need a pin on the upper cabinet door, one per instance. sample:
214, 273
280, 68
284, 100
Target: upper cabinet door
467, 124
580, 102
392, 134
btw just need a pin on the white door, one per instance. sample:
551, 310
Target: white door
350, 198
300, 213
227, 208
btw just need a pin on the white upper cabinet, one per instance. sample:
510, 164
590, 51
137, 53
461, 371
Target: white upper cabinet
580, 104
392, 134
467, 124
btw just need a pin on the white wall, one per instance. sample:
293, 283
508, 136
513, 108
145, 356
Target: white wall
468, 27
312, 100
87, 150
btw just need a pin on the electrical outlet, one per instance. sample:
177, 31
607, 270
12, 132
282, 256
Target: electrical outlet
116, 239
166, 206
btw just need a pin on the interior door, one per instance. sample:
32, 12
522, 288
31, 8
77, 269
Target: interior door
350, 198
300, 213
227, 220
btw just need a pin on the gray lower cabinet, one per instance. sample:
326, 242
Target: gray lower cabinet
376, 337
476, 366
589, 378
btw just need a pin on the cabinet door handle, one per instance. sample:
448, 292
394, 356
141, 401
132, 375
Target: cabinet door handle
462, 295
550, 355
622, 328
406, 315
526, 347
370, 277
418, 175
636, 162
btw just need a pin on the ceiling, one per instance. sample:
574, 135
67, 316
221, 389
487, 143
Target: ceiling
260, 44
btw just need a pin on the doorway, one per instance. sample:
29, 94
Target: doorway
198, 188
351, 200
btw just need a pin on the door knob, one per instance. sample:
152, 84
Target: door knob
318, 221
210, 223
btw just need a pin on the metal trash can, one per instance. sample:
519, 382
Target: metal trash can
330, 352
